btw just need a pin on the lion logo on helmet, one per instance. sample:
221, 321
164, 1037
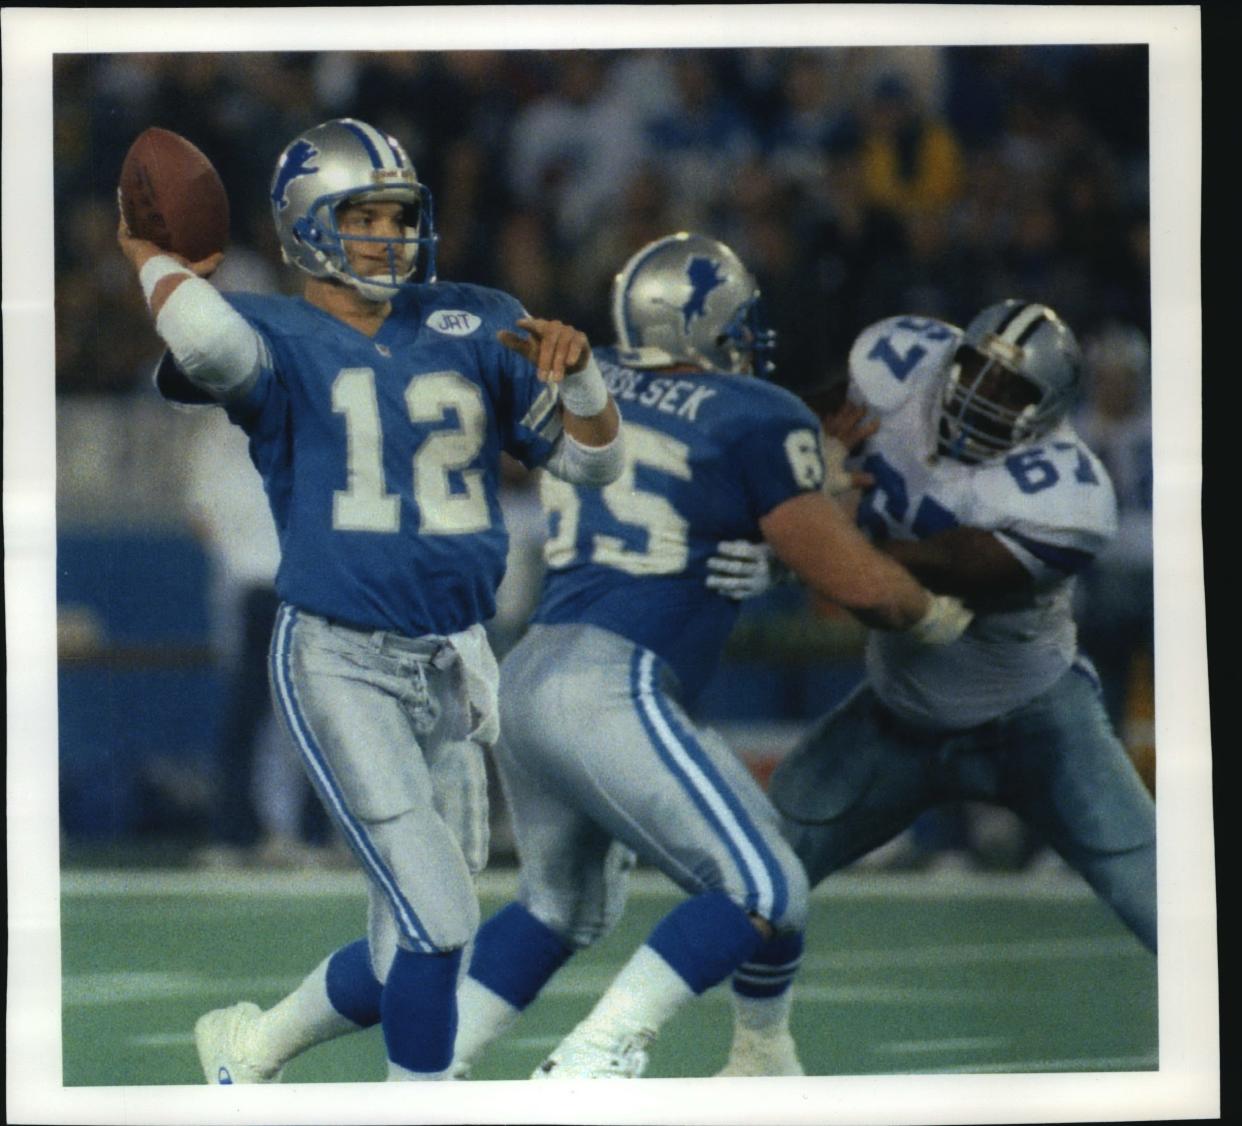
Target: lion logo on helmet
296, 162
704, 276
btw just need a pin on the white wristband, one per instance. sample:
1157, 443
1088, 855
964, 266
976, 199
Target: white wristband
583, 392
154, 270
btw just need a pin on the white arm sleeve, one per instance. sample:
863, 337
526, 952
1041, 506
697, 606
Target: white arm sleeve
212, 343
595, 466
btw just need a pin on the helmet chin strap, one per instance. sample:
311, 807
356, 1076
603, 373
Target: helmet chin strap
371, 290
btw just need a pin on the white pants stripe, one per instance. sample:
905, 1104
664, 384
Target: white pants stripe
751, 862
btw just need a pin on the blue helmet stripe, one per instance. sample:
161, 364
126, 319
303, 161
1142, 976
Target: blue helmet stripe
377, 161
396, 152
1029, 331
1009, 317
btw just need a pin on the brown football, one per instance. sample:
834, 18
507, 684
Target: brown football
172, 195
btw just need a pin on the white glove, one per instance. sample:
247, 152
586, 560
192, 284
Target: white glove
741, 569
945, 621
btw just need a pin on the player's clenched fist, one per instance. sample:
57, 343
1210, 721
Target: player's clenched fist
140, 250
555, 348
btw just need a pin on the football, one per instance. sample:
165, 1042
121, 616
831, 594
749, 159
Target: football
172, 195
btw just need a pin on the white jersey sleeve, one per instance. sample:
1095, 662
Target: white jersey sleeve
1052, 504
895, 358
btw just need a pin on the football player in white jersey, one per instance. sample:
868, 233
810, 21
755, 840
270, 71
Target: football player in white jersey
377, 405
980, 486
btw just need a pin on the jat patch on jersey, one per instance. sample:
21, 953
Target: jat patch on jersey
454, 322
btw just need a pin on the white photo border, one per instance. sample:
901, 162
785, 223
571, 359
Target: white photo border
1187, 1082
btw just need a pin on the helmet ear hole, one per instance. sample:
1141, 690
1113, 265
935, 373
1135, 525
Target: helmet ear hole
306, 230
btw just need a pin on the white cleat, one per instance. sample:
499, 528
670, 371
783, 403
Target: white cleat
225, 1039
592, 1056
763, 1055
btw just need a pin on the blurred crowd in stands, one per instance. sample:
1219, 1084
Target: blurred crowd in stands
857, 182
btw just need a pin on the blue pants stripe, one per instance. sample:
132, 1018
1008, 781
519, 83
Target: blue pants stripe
767, 893
355, 833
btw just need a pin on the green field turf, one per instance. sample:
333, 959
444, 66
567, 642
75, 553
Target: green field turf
903, 974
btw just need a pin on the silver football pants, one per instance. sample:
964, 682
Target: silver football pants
861, 776
380, 722
594, 751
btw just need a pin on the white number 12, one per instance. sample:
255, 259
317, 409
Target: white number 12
365, 504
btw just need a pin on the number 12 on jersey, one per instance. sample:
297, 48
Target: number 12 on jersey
365, 504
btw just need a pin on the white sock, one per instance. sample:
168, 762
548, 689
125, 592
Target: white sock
398, 1074
765, 1015
642, 997
481, 1016
303, 1019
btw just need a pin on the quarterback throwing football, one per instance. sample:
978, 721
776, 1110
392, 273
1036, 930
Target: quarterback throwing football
377, 406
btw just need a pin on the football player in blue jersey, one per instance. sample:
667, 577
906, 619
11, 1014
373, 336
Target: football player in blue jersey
981, 487
599, 758
377, 406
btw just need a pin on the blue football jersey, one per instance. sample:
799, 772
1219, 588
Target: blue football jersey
707, 456
381, 454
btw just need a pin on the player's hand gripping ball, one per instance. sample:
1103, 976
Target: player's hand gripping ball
172, 196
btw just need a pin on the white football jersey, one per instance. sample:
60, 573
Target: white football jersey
1050, 502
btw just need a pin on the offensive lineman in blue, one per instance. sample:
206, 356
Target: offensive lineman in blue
598, 757
377, 406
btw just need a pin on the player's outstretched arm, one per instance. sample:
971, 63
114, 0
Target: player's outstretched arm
846, 429
964, 562
591, 449
140, 252
815, 539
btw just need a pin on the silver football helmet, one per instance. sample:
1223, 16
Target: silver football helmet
687, 298
349, 161
1013, 377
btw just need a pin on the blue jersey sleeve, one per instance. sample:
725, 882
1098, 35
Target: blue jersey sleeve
779, 454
